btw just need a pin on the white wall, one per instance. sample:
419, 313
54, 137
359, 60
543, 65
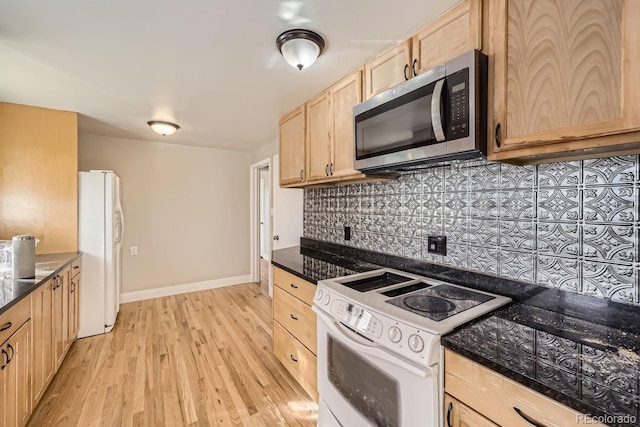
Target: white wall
266, 150
186, 208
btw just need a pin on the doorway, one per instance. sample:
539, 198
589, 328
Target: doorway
261, 223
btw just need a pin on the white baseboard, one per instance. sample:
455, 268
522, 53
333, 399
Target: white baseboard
183, 289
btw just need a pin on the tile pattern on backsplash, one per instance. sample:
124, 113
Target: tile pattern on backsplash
573, 225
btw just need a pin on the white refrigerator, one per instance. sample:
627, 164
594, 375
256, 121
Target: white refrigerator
100, 228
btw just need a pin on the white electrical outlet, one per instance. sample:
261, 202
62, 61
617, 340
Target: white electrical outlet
133, 250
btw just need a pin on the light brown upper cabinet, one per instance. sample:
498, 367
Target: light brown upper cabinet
387, 69
292, 148
453, 33
318, 137
345, 95
566, 79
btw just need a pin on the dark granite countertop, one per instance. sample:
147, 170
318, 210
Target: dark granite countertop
579, 350
12, 291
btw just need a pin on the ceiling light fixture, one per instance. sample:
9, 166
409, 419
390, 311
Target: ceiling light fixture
300, 48
163, 128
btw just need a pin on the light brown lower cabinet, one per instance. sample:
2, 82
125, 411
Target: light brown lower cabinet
484, 395
294, 328
15, 379
43, 354
457, 414
61, 315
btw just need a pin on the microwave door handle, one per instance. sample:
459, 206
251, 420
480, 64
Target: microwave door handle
373, 350
436, 111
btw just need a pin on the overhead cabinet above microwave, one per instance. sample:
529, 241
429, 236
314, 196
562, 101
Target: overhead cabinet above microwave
439, 115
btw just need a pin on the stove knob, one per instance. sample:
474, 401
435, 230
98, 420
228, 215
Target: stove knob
326, 300
416, 344
319, 295
395, 334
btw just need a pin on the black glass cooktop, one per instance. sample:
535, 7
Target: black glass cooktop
375, 282
440, 302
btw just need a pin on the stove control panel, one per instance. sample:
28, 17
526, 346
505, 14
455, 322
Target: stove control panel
357, 317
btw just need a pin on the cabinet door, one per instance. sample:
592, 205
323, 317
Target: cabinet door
344, 96
458, 414
453, 33
66, 311
43, 359
15, 377
564, 72
318, 138
59, 329
292, 148
76, 308
388, 69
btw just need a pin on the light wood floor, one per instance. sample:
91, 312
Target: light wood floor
198, 359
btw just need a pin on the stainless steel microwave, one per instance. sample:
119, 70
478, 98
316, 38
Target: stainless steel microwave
438, 115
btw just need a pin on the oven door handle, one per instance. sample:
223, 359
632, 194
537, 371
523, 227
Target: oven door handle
373, 349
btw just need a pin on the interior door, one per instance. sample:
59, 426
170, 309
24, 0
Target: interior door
287, 210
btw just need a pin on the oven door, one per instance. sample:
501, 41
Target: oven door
363, 384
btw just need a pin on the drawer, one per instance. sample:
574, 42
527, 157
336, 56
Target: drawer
496, 396
296, 317
12, 319
296, 286
458, 414
298, 360
76, 266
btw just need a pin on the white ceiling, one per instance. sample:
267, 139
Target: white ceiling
208, 65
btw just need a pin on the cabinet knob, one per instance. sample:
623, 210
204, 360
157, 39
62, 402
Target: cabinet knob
301, 174
293, 317
413, 67
293, 358
331, 169
406, 68
6, 359
326, 169
276, 237
498, 136
449, 409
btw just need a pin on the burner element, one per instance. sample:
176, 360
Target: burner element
428, 304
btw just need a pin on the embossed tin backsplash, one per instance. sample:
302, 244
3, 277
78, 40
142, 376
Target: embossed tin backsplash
572, 226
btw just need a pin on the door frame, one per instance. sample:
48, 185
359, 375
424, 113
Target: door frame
254, 226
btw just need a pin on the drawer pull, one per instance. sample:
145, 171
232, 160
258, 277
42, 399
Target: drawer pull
294, 286
5, 327
293, 358
527, 418
293, 317
449, 409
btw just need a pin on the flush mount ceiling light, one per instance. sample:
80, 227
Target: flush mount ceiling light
163, 128
300, 48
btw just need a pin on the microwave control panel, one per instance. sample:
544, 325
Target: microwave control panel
458, 91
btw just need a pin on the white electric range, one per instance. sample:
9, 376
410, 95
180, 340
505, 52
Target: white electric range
379, 353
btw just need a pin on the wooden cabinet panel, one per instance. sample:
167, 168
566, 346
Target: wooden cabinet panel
43, 354
345, 94
296, 358
296, 317
450, 35
292, 148
495, 396
72, 326
39, 183
296, 286
13, 318
387, 69
61, 315
15, 380
318, 140
562, 73
458, 414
